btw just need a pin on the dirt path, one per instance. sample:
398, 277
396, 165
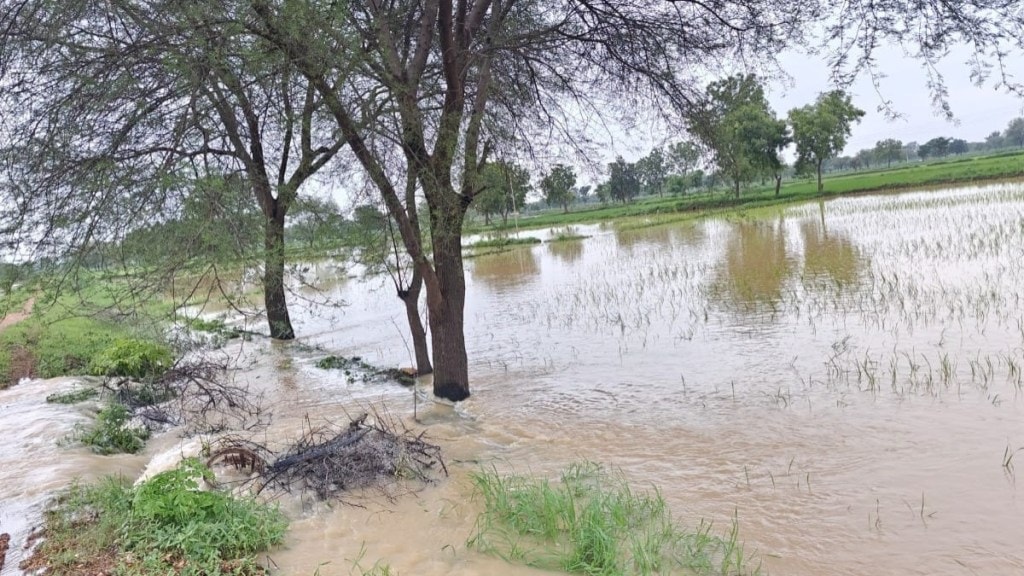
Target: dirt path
15, 317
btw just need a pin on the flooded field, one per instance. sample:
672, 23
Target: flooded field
843, 379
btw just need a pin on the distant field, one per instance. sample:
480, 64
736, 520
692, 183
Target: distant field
1006, 165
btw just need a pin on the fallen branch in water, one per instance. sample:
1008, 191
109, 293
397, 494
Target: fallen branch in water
328, 461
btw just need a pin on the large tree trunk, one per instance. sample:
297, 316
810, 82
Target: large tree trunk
820, 187
446, 299
411, 297
273, 279
778, 184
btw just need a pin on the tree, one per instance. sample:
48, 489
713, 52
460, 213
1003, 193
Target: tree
317, 222
604, 192
1014, 133
958, 146
503, 189
651, 170
558, 186
623, 180
866, 157
820, 130
736, 125
432, 88
141, 107
994, 141
935, 148
681, 158
889, 150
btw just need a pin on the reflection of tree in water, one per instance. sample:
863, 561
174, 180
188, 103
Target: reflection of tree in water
756, 267
830, 254
566, 250
662, 235
504, 269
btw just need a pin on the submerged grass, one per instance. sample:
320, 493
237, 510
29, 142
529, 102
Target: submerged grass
592, 522
167, 525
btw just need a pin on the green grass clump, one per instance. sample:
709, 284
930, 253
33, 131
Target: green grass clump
591, 522
73, 396
112, 432
167, 525
504, 242
132, 358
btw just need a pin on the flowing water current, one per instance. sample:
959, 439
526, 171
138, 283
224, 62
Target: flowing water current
843, 379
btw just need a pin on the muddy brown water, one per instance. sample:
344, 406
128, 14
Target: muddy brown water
843, 378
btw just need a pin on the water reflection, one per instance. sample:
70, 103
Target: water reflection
567, 251
830, 254
628, 238
505, 269
756, 266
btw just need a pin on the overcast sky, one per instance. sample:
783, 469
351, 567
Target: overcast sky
979, 110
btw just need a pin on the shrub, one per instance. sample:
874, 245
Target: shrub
167, 525
113, 433
131, 358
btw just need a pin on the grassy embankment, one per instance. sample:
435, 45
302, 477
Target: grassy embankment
972, 169
69, 328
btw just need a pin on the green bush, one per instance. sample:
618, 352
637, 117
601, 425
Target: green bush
167, 525
112, 432
131, 358
173, 515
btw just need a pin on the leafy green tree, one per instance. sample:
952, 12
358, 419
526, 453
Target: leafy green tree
935, 148
652, 170
623, 180
557, 186
604, 192
736, 124
504, 188
317, 222
889, 150
1014, 133
994, 141
866, 158
681, 158
820, 130
958, 146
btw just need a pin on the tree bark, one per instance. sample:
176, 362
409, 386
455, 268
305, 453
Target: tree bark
411, 299
446, 300
273, 279
820, 187
778, 184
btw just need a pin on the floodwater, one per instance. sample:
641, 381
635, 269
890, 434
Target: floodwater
843, 379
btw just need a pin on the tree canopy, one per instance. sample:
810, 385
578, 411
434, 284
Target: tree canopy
558, 186
739, 129
820, 130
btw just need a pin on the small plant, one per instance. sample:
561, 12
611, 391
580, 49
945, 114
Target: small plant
131, 358
112, 432
73, 396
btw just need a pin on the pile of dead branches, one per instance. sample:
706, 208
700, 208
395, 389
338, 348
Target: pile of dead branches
196, 393
371, 451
